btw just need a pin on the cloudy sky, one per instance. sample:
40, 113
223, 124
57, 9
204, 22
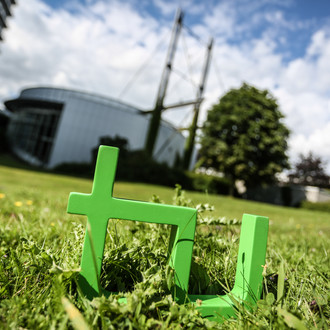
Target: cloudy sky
118, 48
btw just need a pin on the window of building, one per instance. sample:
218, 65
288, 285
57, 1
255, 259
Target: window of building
32, 131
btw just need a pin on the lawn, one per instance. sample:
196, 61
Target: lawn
40, 250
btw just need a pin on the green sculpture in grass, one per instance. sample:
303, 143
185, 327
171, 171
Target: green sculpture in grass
100, 206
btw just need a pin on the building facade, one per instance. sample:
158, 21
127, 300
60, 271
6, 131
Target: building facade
50, 126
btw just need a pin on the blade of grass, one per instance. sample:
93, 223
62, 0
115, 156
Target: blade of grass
280, 282
78, 321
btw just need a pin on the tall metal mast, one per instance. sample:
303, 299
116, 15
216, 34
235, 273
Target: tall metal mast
192, 130
159, 106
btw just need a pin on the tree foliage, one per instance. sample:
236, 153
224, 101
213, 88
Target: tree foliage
309, 170
244, 137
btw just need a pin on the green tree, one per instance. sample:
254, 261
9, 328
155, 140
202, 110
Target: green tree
244, 137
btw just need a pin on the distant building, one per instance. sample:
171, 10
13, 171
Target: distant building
5, 10
50, 126
317, 195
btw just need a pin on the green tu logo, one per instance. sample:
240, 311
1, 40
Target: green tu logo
100, 206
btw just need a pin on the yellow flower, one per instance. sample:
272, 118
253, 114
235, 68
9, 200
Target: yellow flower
29, 202
18, 203
2, 196
52, 224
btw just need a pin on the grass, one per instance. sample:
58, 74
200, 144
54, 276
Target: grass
40, 249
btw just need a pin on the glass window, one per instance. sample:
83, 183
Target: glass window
32, 131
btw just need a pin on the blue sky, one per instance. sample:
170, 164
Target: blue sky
99, 45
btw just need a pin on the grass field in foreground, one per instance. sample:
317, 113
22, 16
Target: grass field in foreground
40, 249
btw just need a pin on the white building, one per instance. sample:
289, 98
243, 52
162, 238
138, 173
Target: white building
50, 126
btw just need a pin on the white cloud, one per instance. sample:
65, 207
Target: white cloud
317, 45
96, 49
166, 7
99, 48
317, 142
221, 21
304, 97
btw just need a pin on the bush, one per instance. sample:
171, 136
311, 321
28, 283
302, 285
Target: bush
209, 183
286, 194
3, 143
323, 206
138, 166
3, 128
75, 169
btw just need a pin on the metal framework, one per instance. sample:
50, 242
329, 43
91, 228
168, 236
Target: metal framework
193, 128
159, 106
5, 10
